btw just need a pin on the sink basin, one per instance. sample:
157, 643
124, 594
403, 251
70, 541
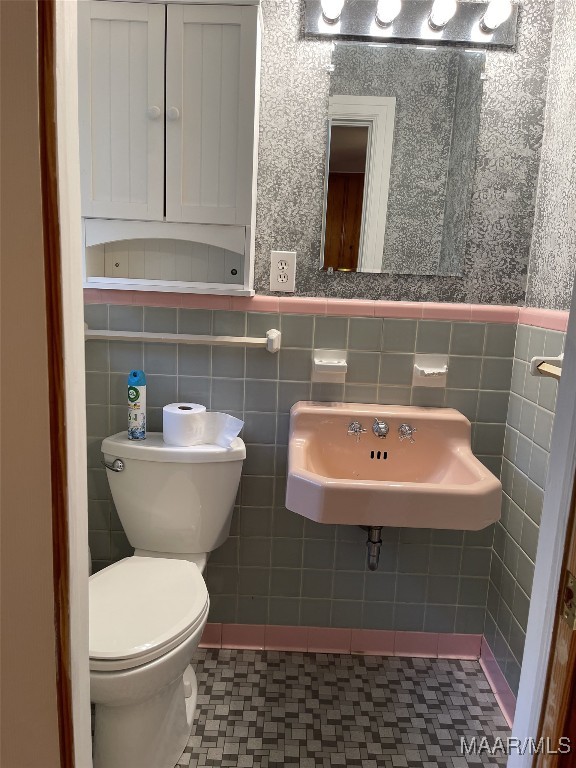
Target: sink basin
433, 482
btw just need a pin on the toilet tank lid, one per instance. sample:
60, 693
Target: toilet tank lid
155, 449
141, 604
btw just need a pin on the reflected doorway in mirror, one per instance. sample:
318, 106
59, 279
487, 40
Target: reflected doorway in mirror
345, 197
358, 158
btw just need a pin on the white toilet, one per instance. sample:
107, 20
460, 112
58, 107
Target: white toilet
148, 612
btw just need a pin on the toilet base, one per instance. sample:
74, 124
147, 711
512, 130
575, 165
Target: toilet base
150, 734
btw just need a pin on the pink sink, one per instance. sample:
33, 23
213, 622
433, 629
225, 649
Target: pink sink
433, 482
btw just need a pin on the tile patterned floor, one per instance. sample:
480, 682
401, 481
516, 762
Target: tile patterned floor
263, 709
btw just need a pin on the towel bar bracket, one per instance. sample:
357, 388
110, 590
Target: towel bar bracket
547, 366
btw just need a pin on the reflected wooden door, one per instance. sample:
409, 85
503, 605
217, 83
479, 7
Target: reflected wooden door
343, 220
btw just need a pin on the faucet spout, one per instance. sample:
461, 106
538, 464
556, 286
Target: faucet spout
380, 428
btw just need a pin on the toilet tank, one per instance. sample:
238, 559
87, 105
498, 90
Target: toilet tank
173, 499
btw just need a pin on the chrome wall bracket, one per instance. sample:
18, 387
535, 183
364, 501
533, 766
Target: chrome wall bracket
358, 21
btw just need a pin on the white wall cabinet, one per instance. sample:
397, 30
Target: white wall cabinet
121, 96
210, 106
168, 118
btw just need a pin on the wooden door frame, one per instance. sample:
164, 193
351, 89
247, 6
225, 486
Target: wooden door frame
58, 99
72, 515
560, 680
550, 555
56, 391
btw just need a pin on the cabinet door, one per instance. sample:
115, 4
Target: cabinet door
121, 75
211, 88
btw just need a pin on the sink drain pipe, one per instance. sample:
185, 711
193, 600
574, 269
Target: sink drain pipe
373, 545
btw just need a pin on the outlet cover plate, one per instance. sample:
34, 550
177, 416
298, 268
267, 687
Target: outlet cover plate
283, 271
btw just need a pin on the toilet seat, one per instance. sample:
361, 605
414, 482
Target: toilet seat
123, 665
141, 608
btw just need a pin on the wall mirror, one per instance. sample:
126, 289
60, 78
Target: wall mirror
402, 129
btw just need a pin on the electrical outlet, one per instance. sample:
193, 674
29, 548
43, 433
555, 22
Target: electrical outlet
283, 271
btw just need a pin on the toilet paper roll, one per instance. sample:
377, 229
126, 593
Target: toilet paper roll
185, 426
181, 424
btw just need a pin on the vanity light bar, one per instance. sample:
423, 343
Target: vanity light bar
331, 10
442, 12
497, 13
387, 11
477, 24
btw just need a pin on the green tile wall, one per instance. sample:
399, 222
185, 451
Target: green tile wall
524, 467
277, 567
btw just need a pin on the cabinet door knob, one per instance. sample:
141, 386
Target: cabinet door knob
173, 113
154, 113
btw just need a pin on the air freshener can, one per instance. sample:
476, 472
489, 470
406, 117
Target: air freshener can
136, 405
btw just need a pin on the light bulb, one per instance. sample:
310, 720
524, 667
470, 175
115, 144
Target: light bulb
387, 11
441, 13
497, 13
331, 10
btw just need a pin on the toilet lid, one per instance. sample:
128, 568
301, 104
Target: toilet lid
141, 604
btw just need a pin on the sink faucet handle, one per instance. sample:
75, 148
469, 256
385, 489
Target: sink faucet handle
406, 432
356, 429
380, 428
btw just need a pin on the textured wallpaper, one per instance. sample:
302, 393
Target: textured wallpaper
293, 107
462, 162
434, 128
553, 254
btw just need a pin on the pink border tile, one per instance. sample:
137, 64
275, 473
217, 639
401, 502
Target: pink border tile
122, 297
487, 313
162, 299
302, 305
401, 309
416, 644
366, 641
507, 704
255, 303
493, 674
369, 641
497, 680
498, 683
92, 296
204, 301
459, 646
212, 636
329, 640
350, 307
372, 642
244, 636
439, 311
551, 319
281, 638
309, 305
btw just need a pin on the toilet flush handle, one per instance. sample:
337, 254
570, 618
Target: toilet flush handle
116, 466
